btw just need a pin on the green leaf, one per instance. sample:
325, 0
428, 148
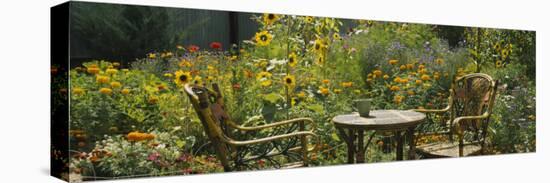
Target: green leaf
272, 97
180, 143
316, 108
335, 136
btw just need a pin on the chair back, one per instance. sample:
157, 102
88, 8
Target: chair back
473, 95
211, 111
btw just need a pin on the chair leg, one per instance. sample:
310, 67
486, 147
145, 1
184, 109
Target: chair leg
460, 144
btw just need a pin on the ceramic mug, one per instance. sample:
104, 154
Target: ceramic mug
362, 106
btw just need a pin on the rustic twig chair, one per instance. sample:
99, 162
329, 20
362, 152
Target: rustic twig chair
467, 115
284, 145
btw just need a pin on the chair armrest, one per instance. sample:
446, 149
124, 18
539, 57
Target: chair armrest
275, 124
273, 138
457, 120
433, 110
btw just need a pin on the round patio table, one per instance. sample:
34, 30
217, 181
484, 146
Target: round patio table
352, 127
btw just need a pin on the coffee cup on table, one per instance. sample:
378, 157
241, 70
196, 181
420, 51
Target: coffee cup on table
362, 106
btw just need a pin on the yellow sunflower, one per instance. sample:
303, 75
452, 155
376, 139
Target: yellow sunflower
498, 63
78, 91
290, 81
309, 19
319, 46
336, 36
115, 84
292, 59
182, 77
106, 91
263, 75
392, 62
102, 79
270, 18
125, 91
263, 38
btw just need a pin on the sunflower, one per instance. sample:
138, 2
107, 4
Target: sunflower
504, 53
320, 60
319, 46
197, 80
266, 83
93, 69
263, 38
392, 62
336, 36
182, 77
410, 66
292, 60
270, 18
290, 81
386, 76
263, 75
309, 19
346, 84
498, 63
326, 81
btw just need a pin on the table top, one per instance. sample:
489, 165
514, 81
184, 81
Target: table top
380, 120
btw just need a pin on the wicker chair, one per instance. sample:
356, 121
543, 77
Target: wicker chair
283, 145
467, 116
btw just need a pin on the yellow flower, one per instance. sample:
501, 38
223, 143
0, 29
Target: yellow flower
292, 60
377, 73
302, 94
290, 81
337, 91
394, 88
319, 46
404, 80
197, 80
418, 82
392, 62
270, 18
106, 91
116, 64
182, 78
386, 76
125, 91
398, 99
347, 84
102, 79
185, 63
93, 69
153, 99
425, 77
111, 71
152, 55
421, 66
402, 67
410, 92
336, 36
410, 66
208, 78
323, 90
397, 80
504, 53
309, 19
439, 61
266, 83
78, 91
263, 75
320, 60
326, 81
168, 75
498, 63
263, 38
115, 84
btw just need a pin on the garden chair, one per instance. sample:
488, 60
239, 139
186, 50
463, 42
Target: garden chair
467, 116
284, 145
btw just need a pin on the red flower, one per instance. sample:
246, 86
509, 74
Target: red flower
193, 48
216, 45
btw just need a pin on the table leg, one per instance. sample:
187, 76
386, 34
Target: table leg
360, 147
351, 146
349, 139
412, 144
399, 151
